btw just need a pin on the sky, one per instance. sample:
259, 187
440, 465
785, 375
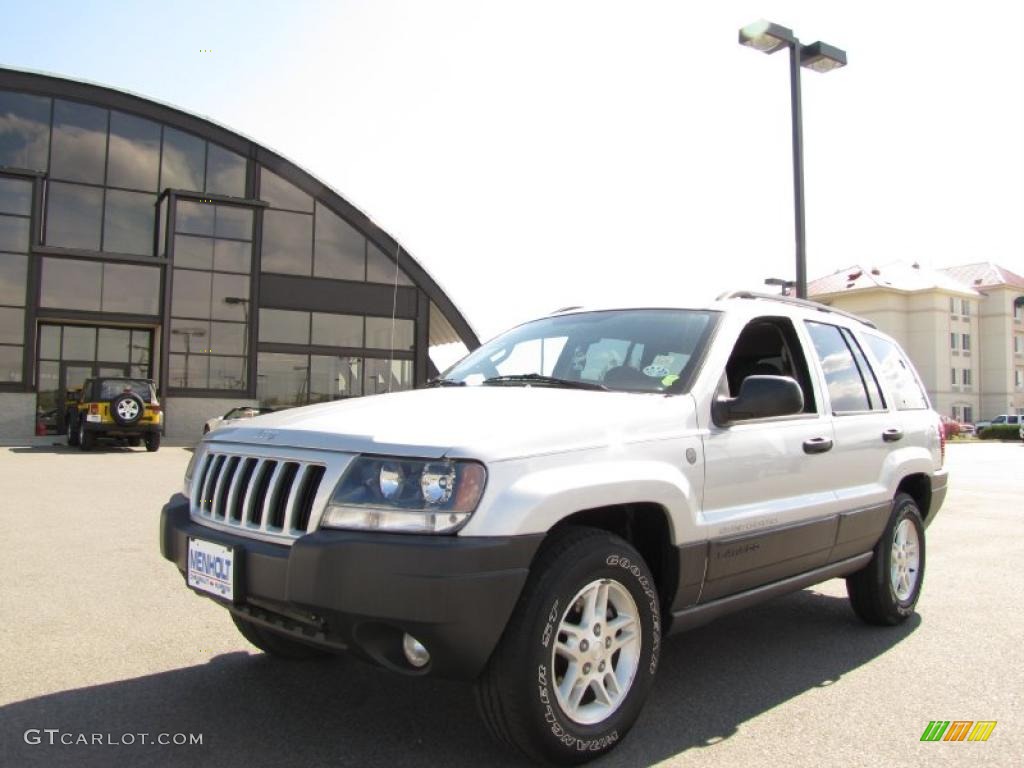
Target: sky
536, 155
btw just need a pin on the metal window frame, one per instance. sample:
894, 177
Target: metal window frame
53, 87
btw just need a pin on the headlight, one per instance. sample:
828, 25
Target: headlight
406, 495
189, 470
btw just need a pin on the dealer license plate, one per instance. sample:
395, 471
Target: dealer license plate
211, 568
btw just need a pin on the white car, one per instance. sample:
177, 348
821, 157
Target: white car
235, 414
567, 496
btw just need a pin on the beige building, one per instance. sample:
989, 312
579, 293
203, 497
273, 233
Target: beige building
963, 327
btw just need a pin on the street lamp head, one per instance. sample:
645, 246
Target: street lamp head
822, 57
766, 37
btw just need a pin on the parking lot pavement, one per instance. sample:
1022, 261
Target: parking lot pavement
99, 636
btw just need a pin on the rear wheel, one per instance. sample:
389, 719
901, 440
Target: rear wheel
578, 657
152, 441
886, 590
274, 644
72, 430
86, 439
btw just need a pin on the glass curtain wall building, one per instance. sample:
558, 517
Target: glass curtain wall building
140, 240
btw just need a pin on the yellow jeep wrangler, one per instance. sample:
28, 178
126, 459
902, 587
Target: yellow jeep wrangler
125, 409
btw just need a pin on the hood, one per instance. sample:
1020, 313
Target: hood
486, 423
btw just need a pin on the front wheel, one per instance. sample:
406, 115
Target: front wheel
578, 657
886, 590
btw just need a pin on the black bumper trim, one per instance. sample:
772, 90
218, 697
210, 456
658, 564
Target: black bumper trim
116, 430
363, 591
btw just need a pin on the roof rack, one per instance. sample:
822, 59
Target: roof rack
794, 301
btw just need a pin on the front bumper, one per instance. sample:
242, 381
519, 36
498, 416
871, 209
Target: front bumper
356, 591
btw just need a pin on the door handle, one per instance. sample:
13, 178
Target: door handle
892, 435
817, 445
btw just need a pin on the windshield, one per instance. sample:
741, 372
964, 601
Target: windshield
637, 350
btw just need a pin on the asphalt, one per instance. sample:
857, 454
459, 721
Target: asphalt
99, 636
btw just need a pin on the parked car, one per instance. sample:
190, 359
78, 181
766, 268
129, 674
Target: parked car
1003, 418
235, 414
565, 497
114, 407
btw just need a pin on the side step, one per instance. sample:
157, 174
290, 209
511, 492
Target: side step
695, 616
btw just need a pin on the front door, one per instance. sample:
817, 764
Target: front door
769, 506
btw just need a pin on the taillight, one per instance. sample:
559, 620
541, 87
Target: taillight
94, 408
942, 444
154, 407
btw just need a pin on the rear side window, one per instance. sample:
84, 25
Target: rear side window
867, 373
897, 373
847, 387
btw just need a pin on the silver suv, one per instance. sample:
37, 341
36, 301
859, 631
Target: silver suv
566, 496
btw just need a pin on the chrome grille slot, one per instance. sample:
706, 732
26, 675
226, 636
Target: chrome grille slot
278, 502
259, 494
220, 491
209, 482
237, 494
304, 504
264, 492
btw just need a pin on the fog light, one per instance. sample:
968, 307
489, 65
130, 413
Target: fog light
415, 653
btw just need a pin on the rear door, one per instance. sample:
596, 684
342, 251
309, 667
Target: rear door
905, 391
867, 429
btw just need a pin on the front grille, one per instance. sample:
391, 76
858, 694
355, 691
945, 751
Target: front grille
265, 495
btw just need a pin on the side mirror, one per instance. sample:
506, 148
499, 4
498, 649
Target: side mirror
761, 397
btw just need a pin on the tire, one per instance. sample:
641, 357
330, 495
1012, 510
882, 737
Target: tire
72, 430
127, 408
86, 439
274, 644
518, 693
886, 590
152, 441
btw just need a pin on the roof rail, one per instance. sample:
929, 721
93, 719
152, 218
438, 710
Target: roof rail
566, 309
795, 301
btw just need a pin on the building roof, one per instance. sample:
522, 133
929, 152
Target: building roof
897, 276
984, 274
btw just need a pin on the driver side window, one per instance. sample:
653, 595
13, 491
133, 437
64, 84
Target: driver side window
768, 346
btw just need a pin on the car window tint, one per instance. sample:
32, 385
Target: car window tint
877, 401
768, 346
897, 373
113, 388
844, 379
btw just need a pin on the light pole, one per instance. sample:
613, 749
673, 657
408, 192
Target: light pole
821, 57
785, 286
188, 333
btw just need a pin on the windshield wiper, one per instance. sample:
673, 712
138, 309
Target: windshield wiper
440, 382
551, 381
